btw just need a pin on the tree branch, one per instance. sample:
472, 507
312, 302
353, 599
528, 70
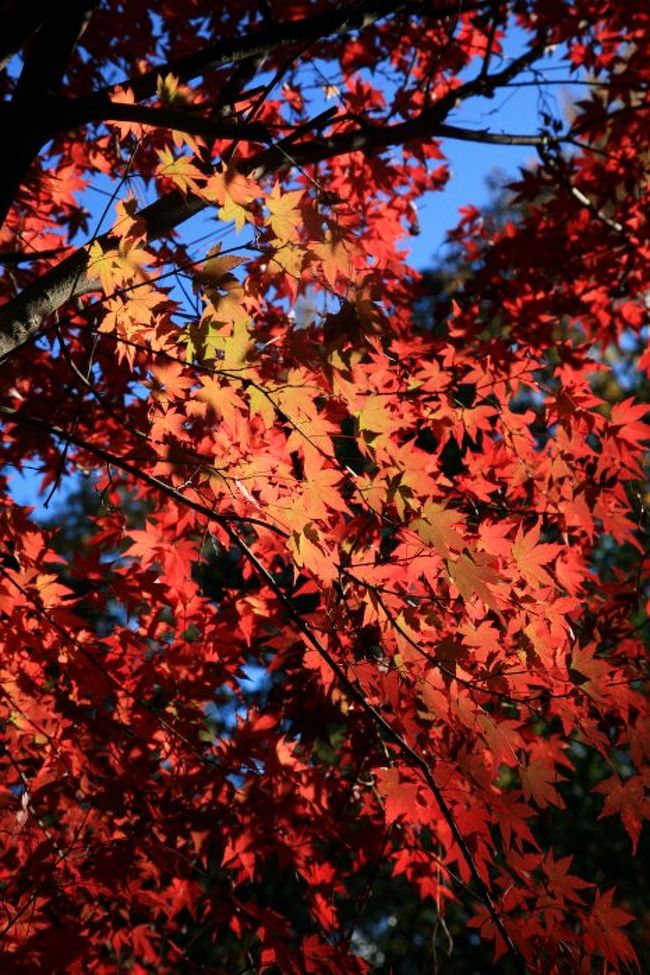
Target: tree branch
495, 138
231, 50
78, 112
45, 62
50, 49
20, 318
23, 21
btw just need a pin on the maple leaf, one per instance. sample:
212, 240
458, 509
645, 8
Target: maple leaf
228, 301
503, 739
400, 794
375, 423
531, 556
125, 96
129, 225
170, 382
233, 211
180, 170
229, 344
319, 489
337, 257
289, 260
116, 268
284, 218
227, 183
625, 418
222, 398
374, 417
241, 851
472, 574
538, 781
146, 545
628, 800
217, 267
132, 317
436, 527
603, 931
585, 664
564, 885
262, 403
104, 265
310, 551
234, 192
171, 92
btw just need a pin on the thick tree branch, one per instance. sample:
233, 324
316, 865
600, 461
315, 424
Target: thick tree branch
19, 21
29, 123
21, 317
46, 59
50, 49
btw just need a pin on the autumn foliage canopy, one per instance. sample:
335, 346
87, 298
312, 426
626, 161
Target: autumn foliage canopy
342, 612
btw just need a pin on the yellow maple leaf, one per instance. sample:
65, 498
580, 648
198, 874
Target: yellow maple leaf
375, 423
289, 259
180, 170
170, 92
116, 268
310, 552
133, 309
284, 218
230, 345
235, 212
102, 265
262, 405
227, 300
374, 416
337, 258
129, 225
221, 398
217, 266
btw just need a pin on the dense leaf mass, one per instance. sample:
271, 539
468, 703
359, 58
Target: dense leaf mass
343, 607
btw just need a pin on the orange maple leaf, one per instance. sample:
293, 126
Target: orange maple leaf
436, 527
337, 258
530, 556
472, 574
